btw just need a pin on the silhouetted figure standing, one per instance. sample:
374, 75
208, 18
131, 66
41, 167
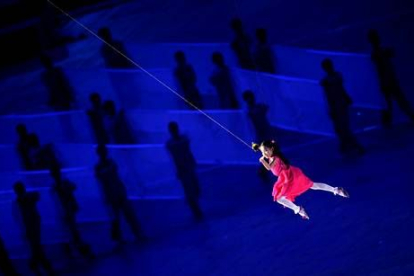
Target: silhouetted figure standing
339, 102
106, 171
389, 84
96, 113
221, 79
64, 190
6, 265
187, 79
241, 45
30, 218
263, 53
179, 147
257, 113
60, 91
41, 157
37, 161
112, 58
116, 125
23, 145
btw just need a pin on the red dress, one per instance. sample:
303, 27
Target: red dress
291, 181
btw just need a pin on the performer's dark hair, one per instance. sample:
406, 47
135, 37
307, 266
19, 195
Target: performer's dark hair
276, 149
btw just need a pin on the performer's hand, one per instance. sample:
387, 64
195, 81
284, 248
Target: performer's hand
262, 159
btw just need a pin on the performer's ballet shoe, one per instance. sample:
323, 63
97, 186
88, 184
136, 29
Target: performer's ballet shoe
341, 192
303, 213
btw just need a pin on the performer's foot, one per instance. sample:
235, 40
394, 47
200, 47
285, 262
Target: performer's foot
341, 192
303, 213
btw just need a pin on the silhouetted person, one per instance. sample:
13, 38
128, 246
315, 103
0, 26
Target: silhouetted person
187, 79
257, 113
23, 146
35, 153
6, 265
64, 190
263, 53
389, 84
41, 157
117, 127
30, 218
106, 171
60, 91
221, 79
112, 58
96, 113
241, 45
339, 102
179, 147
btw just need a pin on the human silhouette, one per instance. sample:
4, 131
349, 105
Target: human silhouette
6, 265
61, 94
187, 80
116, 125
41, 156
64, 190
221, 79
390, 87
339, 102
31, 224
23, 146
115, 194
241, 45
179, 147
96, 117
263, 53
257, 113
111, 57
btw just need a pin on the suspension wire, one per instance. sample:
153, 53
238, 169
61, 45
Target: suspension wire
148, 73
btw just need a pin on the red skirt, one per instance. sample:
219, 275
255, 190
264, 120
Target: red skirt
291, 183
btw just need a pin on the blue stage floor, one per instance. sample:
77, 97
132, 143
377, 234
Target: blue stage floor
245, 233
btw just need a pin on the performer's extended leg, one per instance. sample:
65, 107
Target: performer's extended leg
289, 204
297, 209
329, 188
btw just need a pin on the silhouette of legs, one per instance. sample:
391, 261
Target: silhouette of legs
395, 93
116, 224
126, 208
132, 219
387, 113
38, 254
192, 193
6, 266
403, 103
81, 246
347, 139
195, 208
